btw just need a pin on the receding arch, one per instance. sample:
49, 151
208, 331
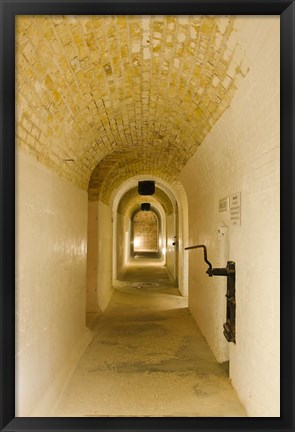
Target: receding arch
177, 195
128, 205
145, 231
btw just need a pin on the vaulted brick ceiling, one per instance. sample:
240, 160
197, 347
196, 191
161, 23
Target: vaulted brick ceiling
131, 201
103, 98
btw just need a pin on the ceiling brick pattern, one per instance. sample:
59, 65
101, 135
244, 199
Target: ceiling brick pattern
104, 98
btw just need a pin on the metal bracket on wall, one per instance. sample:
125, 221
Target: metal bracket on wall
229, 327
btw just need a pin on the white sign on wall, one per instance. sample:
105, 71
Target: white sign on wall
223, 204
235, 208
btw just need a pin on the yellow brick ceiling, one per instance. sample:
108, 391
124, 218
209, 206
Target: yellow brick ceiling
103, 98
131, 201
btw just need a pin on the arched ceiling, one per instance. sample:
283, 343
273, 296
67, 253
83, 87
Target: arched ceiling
104, 98
132, 200
119, 166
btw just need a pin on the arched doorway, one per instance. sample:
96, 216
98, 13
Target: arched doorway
145, 230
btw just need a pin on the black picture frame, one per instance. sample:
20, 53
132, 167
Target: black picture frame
9, 9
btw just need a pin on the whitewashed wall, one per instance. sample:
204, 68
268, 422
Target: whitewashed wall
99, 256
241, 154
92, 258
51, 234
105, 255
122, 240
170, 249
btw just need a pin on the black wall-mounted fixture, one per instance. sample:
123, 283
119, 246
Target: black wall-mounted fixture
145, 206
229, 327
146, 187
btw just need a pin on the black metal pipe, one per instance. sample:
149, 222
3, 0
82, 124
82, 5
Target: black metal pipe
205, 254
220, 271
229, 329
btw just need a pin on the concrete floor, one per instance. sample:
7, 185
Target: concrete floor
148, 357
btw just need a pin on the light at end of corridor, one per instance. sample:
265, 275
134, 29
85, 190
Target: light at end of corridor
137, 242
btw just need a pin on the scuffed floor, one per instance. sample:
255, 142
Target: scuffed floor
148, 358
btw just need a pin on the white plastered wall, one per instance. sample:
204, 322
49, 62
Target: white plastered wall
241, 154
92, 258
122, 228
51, 224
170, 248
99, 276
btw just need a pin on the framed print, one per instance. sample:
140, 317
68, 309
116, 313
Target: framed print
147, 215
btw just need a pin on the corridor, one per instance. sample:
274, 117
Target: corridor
148, 357
139, 138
